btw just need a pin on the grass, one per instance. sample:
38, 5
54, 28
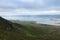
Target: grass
31, 31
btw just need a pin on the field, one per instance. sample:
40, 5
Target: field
29, 30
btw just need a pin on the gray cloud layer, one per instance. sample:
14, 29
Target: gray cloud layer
33, 4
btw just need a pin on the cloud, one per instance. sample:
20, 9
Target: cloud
9, 8
28, 12
29, 7
29, 4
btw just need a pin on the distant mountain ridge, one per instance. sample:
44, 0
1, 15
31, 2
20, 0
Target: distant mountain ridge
43, 16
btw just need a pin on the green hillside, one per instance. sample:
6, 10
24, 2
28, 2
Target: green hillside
27, 30
40, 31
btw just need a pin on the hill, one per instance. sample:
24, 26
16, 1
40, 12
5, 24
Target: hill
18, 30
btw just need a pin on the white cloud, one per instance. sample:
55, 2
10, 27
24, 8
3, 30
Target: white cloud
29, 12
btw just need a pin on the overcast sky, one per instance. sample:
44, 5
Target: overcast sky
29, 7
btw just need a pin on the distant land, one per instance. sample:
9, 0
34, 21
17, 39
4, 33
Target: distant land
38, 16
43, 16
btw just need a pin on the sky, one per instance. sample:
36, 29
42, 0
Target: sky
29, 7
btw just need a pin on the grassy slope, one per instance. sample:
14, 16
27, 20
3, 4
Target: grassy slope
31, 31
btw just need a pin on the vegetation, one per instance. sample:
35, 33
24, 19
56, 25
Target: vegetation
29, 31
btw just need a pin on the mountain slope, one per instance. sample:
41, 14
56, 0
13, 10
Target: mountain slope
5, 24
27, 31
